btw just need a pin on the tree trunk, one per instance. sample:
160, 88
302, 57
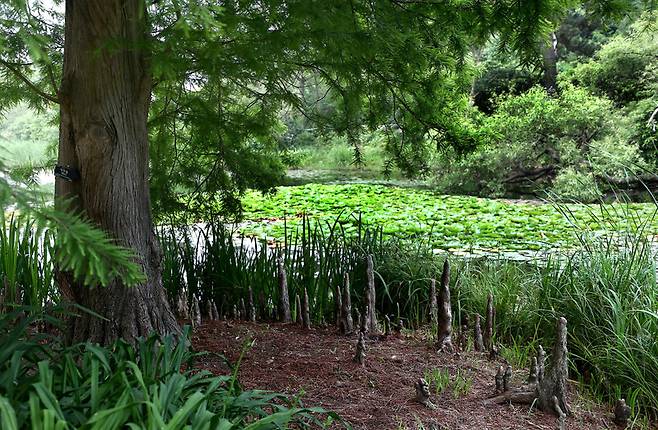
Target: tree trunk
105, 95
549, 54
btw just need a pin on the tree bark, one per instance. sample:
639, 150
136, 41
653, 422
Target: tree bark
549, 54
284, 297
105, 95
444, 325
371, 297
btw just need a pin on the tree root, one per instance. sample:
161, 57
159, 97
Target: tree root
548, 390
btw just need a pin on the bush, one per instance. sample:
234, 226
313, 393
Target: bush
626, 71
573, 185
610, 157
150, 385
535, 142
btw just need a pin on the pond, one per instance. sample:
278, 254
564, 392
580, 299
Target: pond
455, 224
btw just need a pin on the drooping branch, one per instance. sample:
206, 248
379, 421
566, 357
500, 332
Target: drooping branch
16, 72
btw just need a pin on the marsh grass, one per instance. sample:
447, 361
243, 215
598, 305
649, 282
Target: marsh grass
26, 264
210, 261
606, 288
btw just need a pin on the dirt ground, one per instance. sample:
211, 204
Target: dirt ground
380, 395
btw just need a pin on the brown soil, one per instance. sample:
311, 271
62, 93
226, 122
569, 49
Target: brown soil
285, 358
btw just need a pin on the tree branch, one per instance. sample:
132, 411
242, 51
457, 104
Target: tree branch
29, 83
652, 120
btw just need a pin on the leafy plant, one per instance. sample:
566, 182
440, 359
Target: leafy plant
439, 379
445, 222
442, 381
462, 384
150, 385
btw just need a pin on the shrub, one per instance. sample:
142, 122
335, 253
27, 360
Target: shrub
609, 157
536, 142
574, 185
626, 71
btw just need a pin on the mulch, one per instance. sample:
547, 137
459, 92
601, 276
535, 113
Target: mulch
379, 395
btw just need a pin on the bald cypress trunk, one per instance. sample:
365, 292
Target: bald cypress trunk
549, 54
105, 95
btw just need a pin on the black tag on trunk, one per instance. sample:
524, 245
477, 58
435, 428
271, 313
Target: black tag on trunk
67, 173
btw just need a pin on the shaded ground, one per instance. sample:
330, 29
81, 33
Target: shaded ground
288, 359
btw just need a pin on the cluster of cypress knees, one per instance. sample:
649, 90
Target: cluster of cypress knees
545, 387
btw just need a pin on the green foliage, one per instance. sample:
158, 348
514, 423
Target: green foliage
439, 379
498, 81
338, 156
518, 352
581, 34
151, 385
223, 74
37, 237
624, 69
462, 384
25, 263
25, 136
571, 184
535, 142
446, 222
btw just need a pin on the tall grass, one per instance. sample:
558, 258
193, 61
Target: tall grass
210, 262
608, 292
26, 266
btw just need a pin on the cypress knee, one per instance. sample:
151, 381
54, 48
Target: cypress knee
371, 297
347, 324
444, 326
434, 313
488, 328
307, 312
478, 344
284, 299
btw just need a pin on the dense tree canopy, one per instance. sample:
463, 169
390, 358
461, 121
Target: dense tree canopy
223, 71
